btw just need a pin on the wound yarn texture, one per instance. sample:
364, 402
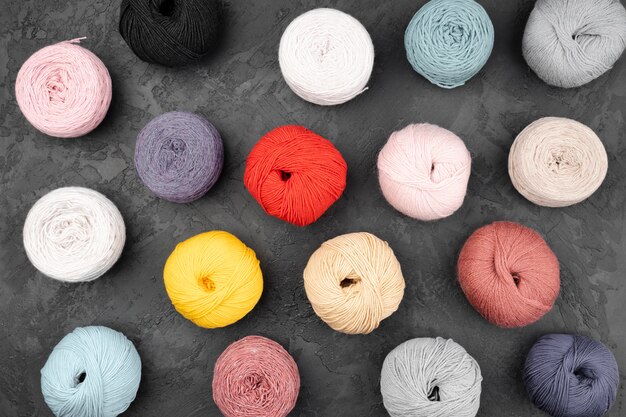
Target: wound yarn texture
427, 377
449, 41
92, 372
326, 56
423, 171
179, 156
64, 90
74, 234
295, 174
354, 282
509, 274
557, 162
255, 377
571, 376
213, 279
569, 43
170, 32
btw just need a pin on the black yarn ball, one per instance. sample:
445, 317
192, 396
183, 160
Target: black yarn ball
170, 32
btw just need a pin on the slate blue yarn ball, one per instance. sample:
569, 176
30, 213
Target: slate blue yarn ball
571, 376
449, 41
93, 372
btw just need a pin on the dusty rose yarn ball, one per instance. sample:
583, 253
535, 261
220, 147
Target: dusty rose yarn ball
255, 377
509, 274
423, 171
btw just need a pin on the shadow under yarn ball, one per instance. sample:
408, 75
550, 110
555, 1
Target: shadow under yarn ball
449, 41
255, 377
569, 43
179, 156
92, 372
423, 171
430, 377
571, 376
509, 274
170, 32
353, 282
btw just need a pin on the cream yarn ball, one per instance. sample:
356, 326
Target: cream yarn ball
557, 162
74, 234
353, 282
423, 171
326, 56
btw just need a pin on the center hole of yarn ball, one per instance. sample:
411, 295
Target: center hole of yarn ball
166, 7
348, 282
563, 160
207, 283
583, 373
80, 378
172, 154
255, 387
56, 88
433, 395
516, 278
285, 175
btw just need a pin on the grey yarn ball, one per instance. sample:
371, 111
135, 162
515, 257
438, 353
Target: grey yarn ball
569, 43
428, 377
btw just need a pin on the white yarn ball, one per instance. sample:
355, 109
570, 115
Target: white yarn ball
326, 56
557, 162
74, 234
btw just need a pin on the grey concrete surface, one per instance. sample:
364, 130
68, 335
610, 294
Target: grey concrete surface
241, 91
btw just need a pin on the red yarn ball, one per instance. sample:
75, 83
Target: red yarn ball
509, 274
255, 377
295, 174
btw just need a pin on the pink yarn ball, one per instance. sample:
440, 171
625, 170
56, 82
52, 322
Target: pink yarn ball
423, 171
255, 377
64, 90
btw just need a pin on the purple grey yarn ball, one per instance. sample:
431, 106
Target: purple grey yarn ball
571, 376
179, 156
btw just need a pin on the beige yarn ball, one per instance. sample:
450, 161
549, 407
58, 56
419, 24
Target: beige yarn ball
557, 162
353, 282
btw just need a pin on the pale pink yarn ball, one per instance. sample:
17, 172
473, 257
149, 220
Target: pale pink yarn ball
423, 171
64, 90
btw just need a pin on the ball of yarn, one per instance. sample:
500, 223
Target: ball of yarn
93, 372
169, 32
557, 162
255, 377
295, 174
326, 56
354, 282
64, 90
509, 274
213, 279
571, 376
74, 234
569, 43
423, 171
428, 377
449, 41
179, 156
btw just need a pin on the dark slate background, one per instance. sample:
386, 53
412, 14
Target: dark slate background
241, 91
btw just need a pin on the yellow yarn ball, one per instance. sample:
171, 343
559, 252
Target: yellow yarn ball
213, 279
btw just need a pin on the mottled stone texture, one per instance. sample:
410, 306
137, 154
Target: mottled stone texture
241, 91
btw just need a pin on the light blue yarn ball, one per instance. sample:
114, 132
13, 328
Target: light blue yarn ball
93, 372
449, 41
